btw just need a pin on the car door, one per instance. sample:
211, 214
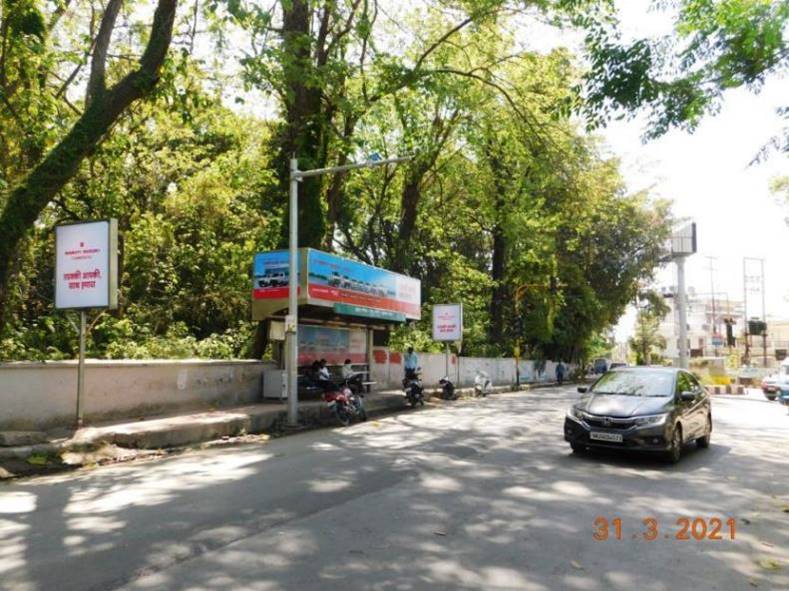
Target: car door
702, 407
692, 410
686, 410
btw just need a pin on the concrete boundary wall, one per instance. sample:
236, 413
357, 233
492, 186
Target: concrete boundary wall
40, 395
387, 369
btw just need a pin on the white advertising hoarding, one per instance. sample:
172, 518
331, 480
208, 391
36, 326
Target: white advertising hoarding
448, 322
86, 265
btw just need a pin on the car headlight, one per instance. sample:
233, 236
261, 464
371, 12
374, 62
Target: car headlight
575, 413
652, 420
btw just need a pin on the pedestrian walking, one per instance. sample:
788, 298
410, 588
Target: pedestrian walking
560, 371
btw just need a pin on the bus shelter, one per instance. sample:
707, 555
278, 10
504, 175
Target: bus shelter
345, 308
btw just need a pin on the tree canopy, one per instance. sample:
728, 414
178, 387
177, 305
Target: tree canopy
181, 127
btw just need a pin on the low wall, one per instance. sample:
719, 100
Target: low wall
387, 369
42, 395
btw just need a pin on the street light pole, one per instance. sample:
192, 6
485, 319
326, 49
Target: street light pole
292, 320
683, 316
291, 326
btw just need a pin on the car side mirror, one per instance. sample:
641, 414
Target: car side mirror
582, 389
687, 396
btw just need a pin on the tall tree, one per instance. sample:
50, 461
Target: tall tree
103, 105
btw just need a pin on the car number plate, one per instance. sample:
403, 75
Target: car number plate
606, 436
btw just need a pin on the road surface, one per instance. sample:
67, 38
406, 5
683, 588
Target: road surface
477, 495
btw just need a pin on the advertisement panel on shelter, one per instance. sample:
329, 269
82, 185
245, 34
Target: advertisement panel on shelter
337, 279
86, 265
335, 345
448, 322
271, 274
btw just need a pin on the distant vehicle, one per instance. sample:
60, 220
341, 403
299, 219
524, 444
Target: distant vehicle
770, 387
482, 383
600, 365
615, 364
655, 409
773, 385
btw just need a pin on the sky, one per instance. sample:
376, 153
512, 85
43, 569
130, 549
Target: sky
709, 178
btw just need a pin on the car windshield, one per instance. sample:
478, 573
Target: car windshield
636, 383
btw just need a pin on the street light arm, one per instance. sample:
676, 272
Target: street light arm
302, 174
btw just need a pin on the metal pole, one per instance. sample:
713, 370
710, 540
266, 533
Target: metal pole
293, 304
683, 317
745, 311
447, 360
81, 368
764, 319
714, 323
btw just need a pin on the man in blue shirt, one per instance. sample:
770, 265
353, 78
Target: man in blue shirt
411, 362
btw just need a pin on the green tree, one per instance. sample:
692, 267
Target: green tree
647, 343
24, 26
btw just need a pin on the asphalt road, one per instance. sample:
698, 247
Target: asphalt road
476, 495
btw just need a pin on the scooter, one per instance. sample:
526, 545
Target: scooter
447, 389
414, 391
482, 383
345, 405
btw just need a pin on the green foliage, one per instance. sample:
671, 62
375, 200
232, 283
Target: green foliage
716, 45
647, 343
506, 205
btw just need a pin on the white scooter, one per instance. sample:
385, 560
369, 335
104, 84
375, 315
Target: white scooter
482, 383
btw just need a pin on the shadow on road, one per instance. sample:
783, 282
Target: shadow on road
477, 495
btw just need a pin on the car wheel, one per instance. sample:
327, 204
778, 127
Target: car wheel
704, 442
578, 448
675, 452
770, 397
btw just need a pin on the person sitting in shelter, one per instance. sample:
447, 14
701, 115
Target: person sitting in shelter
353, 378
313, 373
324, 377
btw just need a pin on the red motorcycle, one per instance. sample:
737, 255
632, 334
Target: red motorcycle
344, 404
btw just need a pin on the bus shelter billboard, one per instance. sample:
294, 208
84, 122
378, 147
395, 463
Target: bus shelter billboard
347, 286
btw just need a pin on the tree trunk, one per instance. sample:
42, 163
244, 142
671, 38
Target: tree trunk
409, 209
498, 296
302, 133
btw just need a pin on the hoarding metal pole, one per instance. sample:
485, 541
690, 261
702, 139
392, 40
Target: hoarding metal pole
293, 305
746, 328
764, 319
81, 368
446, 360
683, 317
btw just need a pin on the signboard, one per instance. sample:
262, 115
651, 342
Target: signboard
683, 240
271, 275
346, 286
335, 345
86, 265
337, 279
448, 322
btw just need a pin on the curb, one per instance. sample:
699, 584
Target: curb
727, 389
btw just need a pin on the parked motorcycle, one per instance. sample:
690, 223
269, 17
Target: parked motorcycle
345, 405
447, 389
414, 391
482, 383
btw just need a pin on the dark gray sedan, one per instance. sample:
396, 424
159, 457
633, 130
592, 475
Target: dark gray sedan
641, 408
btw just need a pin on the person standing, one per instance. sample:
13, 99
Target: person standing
560, 371
411, 362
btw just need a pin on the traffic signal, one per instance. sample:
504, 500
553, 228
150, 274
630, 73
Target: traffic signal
730, 340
